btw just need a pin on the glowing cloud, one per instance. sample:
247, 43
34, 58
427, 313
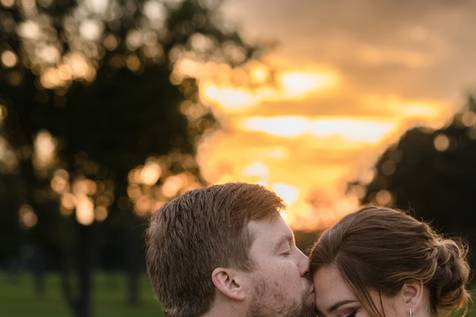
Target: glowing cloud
257, 169
297, 84
227, 97
346, 128
287, 192
288, 86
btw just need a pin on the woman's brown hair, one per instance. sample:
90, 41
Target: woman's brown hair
381, 249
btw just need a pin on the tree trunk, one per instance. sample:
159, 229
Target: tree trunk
133, 243
133, 261
80, 301
85, 268
133, 288
38, 271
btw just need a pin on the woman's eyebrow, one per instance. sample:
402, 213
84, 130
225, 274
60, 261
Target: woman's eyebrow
338, 304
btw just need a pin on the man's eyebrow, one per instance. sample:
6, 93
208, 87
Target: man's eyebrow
338, 304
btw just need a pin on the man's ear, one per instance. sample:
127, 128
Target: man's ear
229, 282
412, 294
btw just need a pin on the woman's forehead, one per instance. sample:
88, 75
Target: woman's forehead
330, 287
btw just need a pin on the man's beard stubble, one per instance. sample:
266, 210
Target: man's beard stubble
272, 302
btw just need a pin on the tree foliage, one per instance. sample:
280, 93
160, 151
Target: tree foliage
432, 173
97, 125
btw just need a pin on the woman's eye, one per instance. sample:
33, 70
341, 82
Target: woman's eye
351, 314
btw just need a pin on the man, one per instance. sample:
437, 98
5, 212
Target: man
225, 251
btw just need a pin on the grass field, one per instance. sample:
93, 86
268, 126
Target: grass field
17, 298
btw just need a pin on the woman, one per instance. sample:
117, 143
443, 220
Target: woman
382, 262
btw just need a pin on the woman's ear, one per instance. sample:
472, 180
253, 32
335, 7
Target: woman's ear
229, 282
412, 295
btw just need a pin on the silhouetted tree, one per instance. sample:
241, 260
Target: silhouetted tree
432, 173
89, 92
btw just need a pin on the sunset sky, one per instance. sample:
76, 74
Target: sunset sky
349, 77
338, 82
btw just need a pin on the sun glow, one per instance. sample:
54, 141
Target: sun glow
348, 129
229, 98
282, 137
298, 84
401, 108
300, 130
289, 194
291, 169
287, 86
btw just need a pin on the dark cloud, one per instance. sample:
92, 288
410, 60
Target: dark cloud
417, 49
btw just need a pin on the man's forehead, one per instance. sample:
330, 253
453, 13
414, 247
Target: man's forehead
273, 228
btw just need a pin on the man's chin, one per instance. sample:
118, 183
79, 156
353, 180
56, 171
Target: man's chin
272, 302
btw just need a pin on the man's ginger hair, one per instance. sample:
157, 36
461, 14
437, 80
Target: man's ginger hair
195, 233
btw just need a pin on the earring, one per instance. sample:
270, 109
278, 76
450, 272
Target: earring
410, 313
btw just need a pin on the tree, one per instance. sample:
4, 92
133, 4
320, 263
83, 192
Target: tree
97, 123
432, 174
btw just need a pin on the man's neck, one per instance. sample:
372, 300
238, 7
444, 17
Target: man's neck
227, 310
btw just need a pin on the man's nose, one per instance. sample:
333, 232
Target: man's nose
303, 263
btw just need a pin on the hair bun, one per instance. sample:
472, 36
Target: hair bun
447, 286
